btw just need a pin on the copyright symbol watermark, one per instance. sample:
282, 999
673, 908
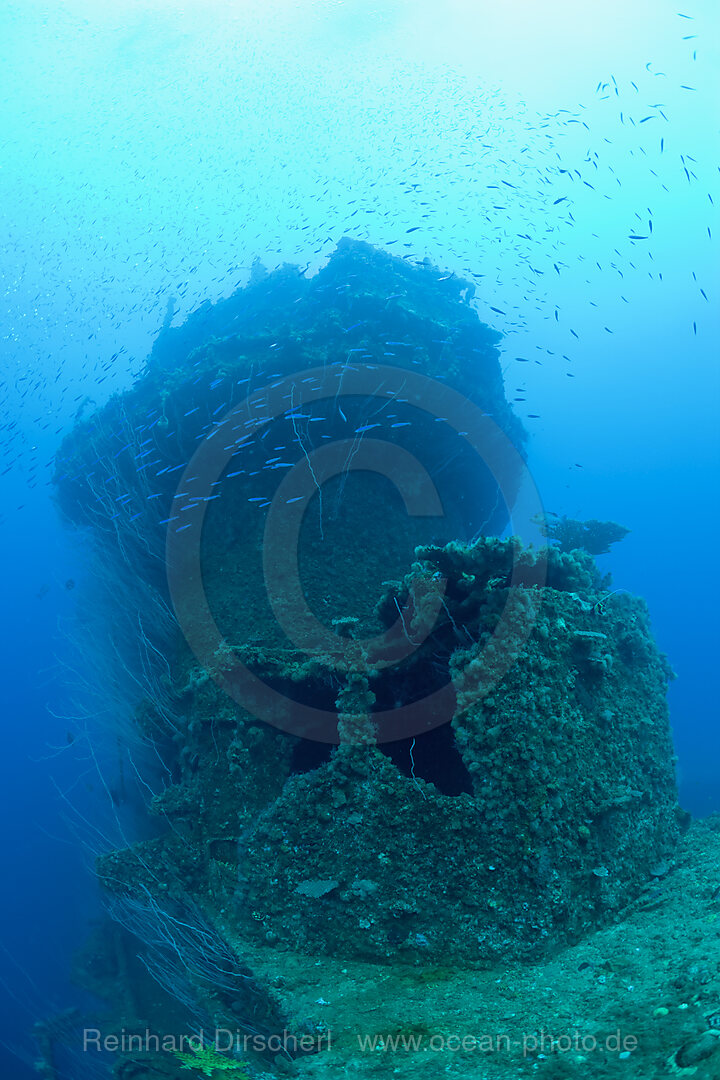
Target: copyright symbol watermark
300, 489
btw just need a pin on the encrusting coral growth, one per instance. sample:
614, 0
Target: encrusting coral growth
593, 536
501, 789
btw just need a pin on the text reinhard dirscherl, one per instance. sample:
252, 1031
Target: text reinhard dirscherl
225, 1041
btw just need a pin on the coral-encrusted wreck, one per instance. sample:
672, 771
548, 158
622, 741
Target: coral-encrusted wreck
531, 800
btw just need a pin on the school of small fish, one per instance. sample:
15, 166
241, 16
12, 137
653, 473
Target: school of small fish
535, 209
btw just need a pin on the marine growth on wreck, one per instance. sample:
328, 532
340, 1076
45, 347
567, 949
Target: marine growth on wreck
399, 717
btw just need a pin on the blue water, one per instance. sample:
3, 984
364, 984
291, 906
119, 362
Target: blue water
154, 150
